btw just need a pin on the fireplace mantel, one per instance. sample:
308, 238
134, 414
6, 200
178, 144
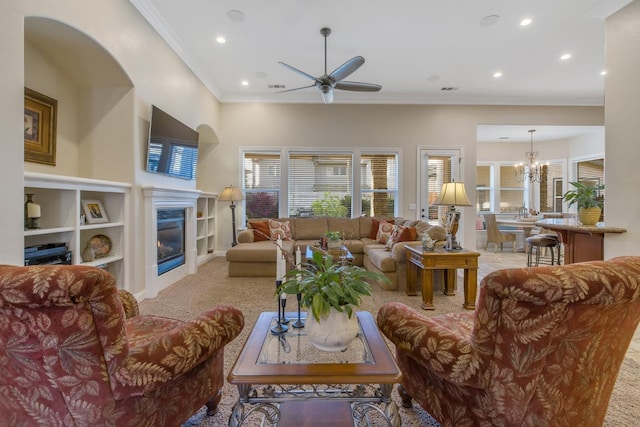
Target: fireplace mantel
167, 198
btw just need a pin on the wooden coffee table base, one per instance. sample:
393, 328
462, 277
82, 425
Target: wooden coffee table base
286, 381
439, 259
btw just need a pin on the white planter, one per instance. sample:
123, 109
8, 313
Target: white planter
334, 332
331, 244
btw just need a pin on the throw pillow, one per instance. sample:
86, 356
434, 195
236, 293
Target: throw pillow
396, 235
384, 232
279, 229
375, 224
409, 234
260, 230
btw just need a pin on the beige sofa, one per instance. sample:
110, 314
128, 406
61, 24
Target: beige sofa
252, 258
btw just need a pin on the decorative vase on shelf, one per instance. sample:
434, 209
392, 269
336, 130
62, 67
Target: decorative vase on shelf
334, 331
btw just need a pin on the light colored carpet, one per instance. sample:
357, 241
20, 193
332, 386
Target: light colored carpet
211, 285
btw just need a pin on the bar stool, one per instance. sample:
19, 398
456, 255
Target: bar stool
535, 245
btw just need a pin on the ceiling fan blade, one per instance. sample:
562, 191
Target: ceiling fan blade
297, 88
327, 96
295, 70
347, 68
358, 86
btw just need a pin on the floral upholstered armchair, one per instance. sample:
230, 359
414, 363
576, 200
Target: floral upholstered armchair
75, 352
543, 347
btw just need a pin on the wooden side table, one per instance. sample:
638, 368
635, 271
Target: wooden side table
439, 259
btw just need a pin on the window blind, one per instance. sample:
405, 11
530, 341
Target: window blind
261, 184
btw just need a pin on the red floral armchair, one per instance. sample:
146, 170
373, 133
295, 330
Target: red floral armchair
542, 348
75, 351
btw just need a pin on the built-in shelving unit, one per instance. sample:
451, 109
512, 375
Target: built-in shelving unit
60, 199
206, 227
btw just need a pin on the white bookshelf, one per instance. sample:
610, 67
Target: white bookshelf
206, 227
60, 199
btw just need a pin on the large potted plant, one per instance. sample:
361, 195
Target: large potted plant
588, 199
330, 291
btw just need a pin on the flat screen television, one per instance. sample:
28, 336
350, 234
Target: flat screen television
172, 148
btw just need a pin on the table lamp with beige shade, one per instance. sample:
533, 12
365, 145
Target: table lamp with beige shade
452, 194
232, 194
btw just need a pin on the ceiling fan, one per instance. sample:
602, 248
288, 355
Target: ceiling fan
327, 82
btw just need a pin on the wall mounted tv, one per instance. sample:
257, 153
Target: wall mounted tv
172, 147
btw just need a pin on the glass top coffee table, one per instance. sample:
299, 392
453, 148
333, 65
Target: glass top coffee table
287, 380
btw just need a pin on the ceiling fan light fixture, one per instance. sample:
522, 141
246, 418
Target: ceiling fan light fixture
328, 81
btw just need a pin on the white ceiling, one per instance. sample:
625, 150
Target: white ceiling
412, 48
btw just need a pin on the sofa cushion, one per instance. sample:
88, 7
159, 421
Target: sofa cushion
311, 228
349, 228
279, 229
261, 230
264, 251
380, 258
436, 232
375, 225
365, 226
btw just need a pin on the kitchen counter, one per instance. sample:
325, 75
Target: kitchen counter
581, 242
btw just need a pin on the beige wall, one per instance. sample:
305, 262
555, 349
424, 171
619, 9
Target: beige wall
403, 126
622, 119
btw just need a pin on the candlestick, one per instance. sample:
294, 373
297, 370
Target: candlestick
283, 303
280, 327
299, 323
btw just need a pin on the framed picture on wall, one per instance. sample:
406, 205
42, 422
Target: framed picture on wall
40, 116
94, 211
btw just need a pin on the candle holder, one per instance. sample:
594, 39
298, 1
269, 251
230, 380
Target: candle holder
31, 213
280, 327
299, 323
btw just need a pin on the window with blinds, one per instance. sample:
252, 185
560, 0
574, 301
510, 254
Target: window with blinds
591, 170
551, 188
379, 184
261, 184
320, 184
439, 173
483, 188
511, 191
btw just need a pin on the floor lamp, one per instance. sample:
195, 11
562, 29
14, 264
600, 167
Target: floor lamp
452, 194
232, 194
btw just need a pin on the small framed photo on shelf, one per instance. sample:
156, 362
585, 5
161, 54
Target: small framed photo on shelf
94, 211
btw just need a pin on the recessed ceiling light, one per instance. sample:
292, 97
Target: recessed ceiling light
221, 40
497, 74
244, 83
603, 72
565, 56
525, 22
235, 15
489, 20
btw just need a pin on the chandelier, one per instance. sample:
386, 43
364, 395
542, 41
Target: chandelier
531, 170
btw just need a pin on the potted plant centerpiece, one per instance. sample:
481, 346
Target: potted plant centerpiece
589, 200
333, 239
330, 291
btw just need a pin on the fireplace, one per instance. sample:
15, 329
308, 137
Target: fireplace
170, 239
